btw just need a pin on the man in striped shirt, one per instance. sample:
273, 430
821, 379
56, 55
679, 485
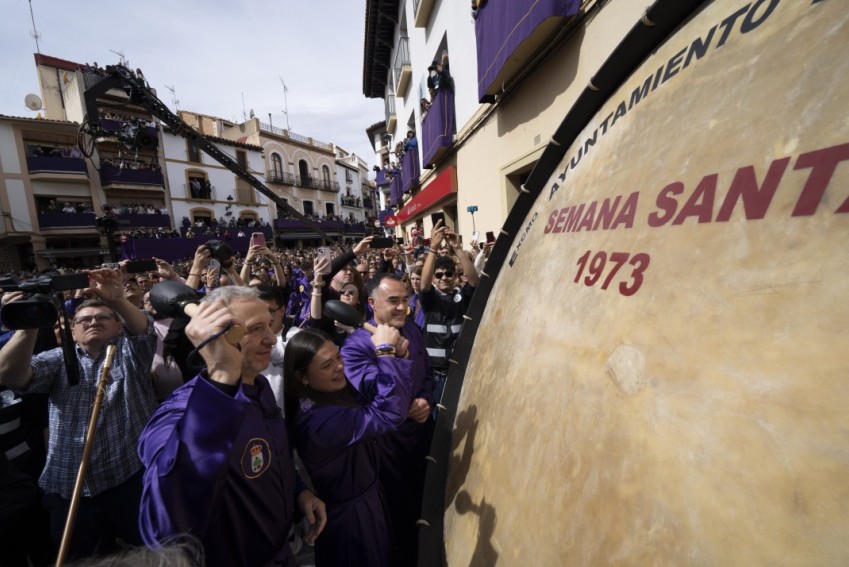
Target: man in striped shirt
443, 302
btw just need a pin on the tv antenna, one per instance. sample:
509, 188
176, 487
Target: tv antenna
174, 99
35, 35
285, 101
123, 61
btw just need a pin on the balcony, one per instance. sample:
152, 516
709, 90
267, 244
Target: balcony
380, 179
438, 128
391, 119
306, 140
56, 164
66, 220
296, 227
348, 201
279, 178
401, 68
423, 9
510, 34
204, 192
410, 170
368, 203
110, 175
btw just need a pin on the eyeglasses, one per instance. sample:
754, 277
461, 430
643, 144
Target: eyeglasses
440, 275
86, 320
351, 292
273, 311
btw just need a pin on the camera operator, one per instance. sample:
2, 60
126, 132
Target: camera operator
112, 488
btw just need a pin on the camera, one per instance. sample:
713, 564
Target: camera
37, 311
219, 250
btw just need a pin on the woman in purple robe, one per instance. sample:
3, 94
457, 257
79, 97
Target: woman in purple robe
334, 428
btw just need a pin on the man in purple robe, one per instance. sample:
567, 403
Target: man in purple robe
218, 463
403, 451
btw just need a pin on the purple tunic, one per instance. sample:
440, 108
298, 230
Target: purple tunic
220, 468
337, 445
402, 451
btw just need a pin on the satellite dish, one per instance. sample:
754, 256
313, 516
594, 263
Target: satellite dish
33, 102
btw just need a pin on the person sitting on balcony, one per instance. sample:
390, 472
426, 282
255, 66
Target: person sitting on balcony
68, 208
150, 210
75, 153
424, 106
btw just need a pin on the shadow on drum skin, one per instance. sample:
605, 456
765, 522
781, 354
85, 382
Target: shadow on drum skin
484, 554
465, 428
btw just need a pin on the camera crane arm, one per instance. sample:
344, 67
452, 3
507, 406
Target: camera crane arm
121, 78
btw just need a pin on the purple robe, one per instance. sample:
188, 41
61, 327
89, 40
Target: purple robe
402, 451
220, 468
337, 445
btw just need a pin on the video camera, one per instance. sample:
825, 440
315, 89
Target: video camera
37, 311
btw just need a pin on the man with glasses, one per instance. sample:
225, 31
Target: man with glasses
443, 302
109, 506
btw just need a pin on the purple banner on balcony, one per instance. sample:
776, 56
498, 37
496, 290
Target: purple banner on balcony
146, 221
410, 170
55, 164
502, 26
396, 195
296, 224
380, 179
109, 174
172, 249
66, 220
438, 127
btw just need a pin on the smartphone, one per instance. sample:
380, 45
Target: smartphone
475, 236
139, 266
324, 252
111, 265
490, 237
436, 217
382, 243
257, 239
214, 264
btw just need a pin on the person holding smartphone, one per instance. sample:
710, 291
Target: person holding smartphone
444, 302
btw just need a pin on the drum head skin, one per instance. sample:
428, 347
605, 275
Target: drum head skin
661, 375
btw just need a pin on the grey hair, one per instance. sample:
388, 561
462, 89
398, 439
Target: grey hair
231, 293
180, 554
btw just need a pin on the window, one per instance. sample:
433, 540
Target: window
197, 185
308, 210
349, 177
304, 172
242, 158
193, 151
330, 209
325, 176
276, 164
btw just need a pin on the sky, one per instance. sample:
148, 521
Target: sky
212, 52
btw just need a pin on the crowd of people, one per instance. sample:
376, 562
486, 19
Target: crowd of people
205, 416
54, 151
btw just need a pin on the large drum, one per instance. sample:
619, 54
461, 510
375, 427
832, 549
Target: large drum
661, 372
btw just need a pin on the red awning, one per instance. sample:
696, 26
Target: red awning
444, 185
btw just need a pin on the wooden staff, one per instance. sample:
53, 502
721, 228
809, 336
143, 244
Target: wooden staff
89, 441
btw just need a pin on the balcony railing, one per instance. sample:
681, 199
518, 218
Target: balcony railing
66, 220
325, 185
348, 201
56, 164
401, 68
422, 9
389, 105
368, 203
280, 178
205, 192
295, 136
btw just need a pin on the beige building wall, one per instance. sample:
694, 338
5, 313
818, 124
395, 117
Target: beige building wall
511, 140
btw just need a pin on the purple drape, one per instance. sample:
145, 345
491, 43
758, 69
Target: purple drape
396, 195
109, 174
502, 25
55, 164
296, 224
438, 127
410, 170
380, 179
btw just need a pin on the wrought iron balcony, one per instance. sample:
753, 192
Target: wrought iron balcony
280, 178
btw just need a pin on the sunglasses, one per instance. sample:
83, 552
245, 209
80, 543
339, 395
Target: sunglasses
350, 292
440, 275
